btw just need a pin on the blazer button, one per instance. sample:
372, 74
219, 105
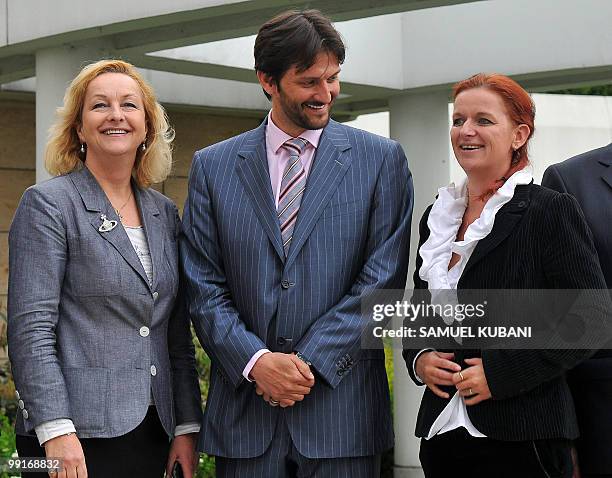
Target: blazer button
155, 295
340, 372
144, 331
21, 404
522, 204
281, 341
153, 370
285, 284
25, 414
17, 395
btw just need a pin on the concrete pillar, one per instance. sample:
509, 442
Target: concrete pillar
420, 123
55, 69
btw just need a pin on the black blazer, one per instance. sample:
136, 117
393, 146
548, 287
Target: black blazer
588, 177
540, 240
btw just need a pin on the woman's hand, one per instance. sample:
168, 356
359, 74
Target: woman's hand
436, 368
472, 382
183, 450
67, 448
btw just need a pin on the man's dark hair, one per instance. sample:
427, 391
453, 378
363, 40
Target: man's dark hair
295, 38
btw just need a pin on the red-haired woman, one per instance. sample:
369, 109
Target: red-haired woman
498, 413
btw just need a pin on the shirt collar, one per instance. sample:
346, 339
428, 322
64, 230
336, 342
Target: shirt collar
444, 221
277, 137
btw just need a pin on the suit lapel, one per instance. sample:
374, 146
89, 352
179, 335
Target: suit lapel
252, 170
505, 222
607, 172
96, 202
154, 231
328, 168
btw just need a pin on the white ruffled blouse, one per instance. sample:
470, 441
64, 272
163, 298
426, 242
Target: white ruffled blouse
444, 221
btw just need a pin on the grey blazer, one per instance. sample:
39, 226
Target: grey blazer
88, 337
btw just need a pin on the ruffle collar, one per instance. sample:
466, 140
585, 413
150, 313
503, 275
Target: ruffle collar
444, 221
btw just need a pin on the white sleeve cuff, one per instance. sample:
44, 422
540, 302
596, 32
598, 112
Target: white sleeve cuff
251, 363
53, 428
415, 360
185, 428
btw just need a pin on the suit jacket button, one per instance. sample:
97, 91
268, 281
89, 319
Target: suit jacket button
25, 414
285, 284
17, 395
153, 370
144, 331
281, 341
340, 372
522, 204
21, 404
155, 295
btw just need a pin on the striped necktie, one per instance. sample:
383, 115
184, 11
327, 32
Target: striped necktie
292, 188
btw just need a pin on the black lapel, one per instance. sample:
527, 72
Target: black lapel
606, 161
328, 168
505, 221
252, 169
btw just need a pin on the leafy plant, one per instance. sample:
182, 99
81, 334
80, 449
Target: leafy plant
601, 90
8, 407
206, 467
7, 437
7, 413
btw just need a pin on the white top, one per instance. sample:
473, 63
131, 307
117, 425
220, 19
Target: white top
141, 246
444, 221
139, 242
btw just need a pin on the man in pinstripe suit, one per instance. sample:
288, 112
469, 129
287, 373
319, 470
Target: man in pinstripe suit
286, 228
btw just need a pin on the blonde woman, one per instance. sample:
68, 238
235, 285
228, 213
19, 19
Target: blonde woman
100, 348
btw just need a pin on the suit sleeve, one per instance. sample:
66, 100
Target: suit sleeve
185, 385
216, 320
552, 179
333, 342
570, 262
37, 260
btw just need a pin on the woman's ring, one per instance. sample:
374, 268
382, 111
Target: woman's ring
462, 377
274, 403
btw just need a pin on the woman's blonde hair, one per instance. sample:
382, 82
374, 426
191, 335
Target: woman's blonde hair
63, 151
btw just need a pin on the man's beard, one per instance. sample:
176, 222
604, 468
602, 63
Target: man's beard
296, 114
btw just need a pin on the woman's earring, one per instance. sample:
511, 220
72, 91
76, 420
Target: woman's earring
143, 146
82, 148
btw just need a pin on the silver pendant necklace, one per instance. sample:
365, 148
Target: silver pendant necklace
118, 211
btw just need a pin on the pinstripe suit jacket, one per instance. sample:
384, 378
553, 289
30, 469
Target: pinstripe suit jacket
352, 236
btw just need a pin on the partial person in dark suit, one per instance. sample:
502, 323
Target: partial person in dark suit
499, 413
286, 228
99, 344
588, 177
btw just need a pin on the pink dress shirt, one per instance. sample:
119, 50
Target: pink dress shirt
278, 157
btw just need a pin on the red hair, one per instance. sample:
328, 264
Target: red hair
519, 105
